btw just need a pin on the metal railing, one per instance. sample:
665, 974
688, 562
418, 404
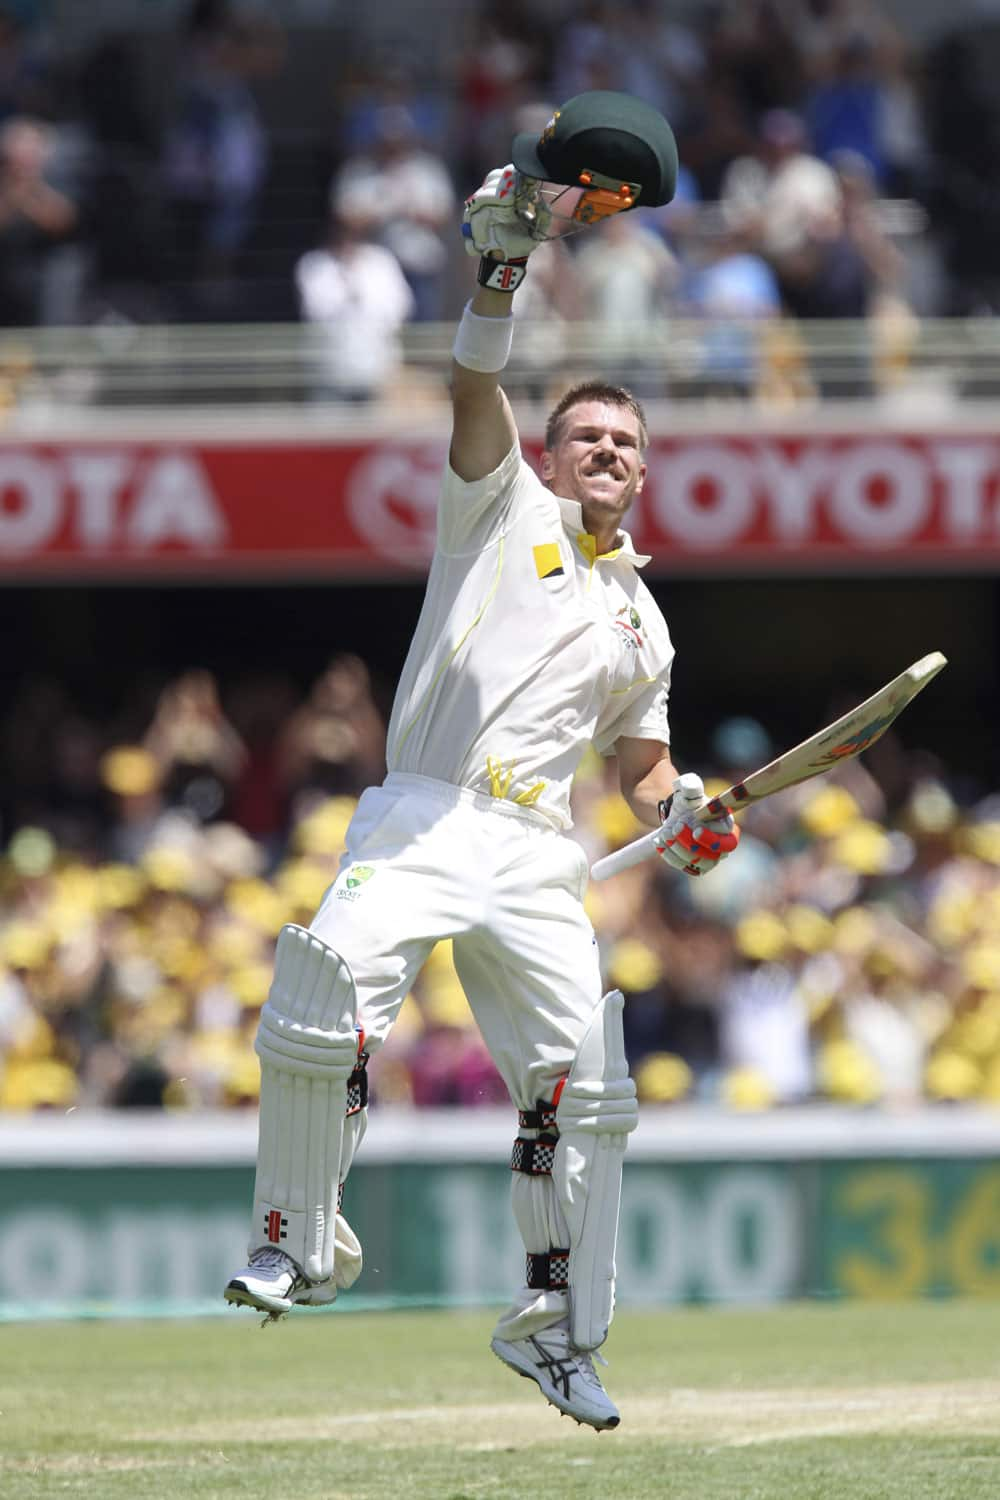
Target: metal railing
54, 373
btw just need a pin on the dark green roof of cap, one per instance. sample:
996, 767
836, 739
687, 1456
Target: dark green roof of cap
607, 132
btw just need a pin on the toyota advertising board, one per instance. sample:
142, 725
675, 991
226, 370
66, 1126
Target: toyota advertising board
282, 509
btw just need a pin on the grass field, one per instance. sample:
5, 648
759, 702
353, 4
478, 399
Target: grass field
848, 1402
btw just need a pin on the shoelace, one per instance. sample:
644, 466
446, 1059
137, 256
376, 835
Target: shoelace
270, 1260
585, 1359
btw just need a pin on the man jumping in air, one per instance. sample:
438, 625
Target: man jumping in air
536, 639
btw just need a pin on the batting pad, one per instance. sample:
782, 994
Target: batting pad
308, 1048
539, 1218
597, 1110
348, 1259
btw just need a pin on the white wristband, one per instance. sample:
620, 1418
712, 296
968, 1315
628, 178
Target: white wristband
483, 344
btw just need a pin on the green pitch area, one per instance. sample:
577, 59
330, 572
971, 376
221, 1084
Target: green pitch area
848, 1402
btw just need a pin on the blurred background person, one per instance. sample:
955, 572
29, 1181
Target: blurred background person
133, 777
37, 218
735, 292
626, 279
502, 68
198, 751
782, 197
404, 193
120, 133
28, 85
763, 1017
354, 293
216, 150
334, 744
959, 186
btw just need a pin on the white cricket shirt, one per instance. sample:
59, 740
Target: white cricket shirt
528, 647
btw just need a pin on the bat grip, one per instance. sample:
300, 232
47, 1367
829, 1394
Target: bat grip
689, 792
624, 858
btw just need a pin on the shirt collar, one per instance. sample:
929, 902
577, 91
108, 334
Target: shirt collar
572, 517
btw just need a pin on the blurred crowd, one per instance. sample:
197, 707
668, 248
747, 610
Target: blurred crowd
200, 196
849, 953
852, 949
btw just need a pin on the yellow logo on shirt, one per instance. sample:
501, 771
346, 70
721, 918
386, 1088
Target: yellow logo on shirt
548, 560
502, 779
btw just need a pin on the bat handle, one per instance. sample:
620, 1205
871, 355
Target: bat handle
689, 790
624, 858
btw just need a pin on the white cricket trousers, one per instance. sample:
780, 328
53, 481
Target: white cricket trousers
439, 861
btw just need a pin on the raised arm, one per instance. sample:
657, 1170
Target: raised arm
483, 430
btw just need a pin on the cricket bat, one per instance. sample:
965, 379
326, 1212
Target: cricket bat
840, 741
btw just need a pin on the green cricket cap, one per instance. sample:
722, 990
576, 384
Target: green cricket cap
615, 135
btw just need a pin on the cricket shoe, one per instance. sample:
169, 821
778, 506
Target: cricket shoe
565, 1375
273, 1283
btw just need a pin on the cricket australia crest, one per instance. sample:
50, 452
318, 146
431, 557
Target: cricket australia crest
355, 878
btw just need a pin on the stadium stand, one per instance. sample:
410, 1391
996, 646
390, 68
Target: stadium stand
853, 951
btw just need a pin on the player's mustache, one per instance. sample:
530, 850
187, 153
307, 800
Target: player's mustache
605, 464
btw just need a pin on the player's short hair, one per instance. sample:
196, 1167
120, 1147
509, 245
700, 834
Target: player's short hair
594, 390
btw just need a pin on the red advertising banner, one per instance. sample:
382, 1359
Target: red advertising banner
863, 502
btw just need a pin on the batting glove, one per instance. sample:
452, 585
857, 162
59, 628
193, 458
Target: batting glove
493, 230
685, 841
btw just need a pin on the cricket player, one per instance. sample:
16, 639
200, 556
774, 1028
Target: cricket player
537, 637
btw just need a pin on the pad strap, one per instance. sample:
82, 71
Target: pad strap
357, 1086
543, 1116
548, 1272
534, 1158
